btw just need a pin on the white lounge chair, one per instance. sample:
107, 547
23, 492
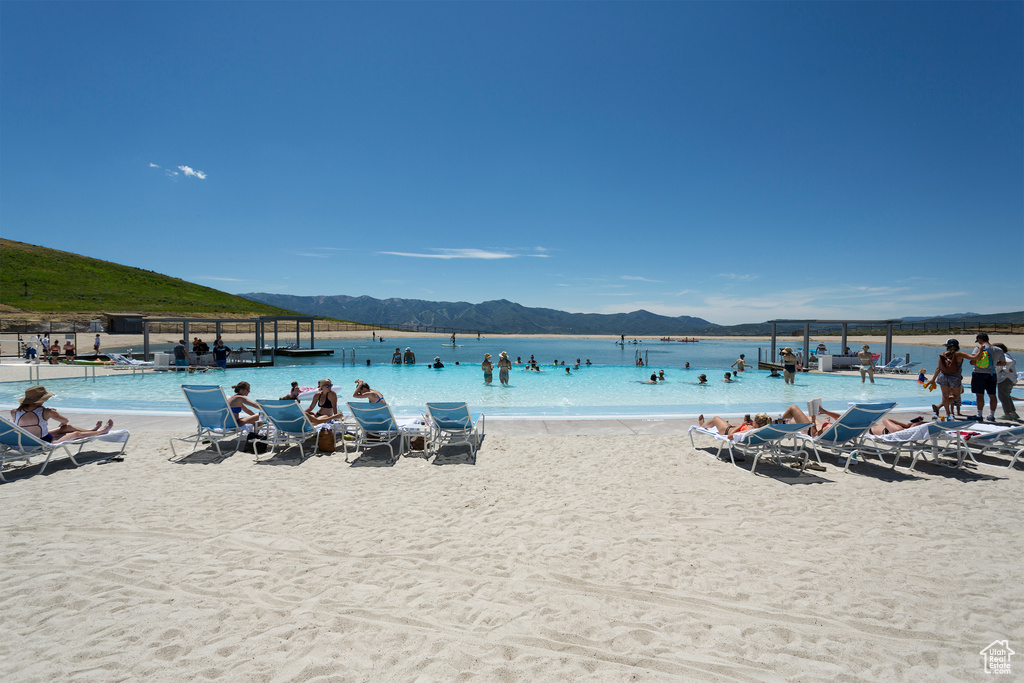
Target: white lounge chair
846, 434
919, 441
215, 421
453, 424
999, 441
764, 441
291, 426
376, 426
19, 445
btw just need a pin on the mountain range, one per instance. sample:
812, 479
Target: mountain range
493, 317
507, 317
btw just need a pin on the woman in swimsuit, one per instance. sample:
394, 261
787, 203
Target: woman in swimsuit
31, 416
239, 403
325, 401
949, 376
488, 368
363, 390
504, 365
729, 430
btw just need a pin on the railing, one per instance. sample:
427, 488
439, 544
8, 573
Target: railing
56, 327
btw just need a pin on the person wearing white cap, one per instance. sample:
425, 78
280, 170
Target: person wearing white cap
867, 364
409, 358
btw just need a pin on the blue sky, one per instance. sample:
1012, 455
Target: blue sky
732, 161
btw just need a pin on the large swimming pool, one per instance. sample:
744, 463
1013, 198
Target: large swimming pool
612, 386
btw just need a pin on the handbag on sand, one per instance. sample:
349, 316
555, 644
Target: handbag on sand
325, 441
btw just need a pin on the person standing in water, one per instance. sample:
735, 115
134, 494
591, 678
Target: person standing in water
504, 365
488, 368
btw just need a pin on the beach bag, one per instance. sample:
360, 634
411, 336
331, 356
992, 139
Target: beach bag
325, 441
254, 445
418, 443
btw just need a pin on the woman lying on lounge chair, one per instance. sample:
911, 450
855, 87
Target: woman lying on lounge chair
887, 425
730, 430
31, 416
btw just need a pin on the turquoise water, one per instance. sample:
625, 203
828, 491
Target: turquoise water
612, 386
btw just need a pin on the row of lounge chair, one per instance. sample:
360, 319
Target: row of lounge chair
849, 440
898, 366
374, 425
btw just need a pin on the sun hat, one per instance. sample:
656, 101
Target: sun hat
787, 350
865, 347
36, 395
437, 358
502, 355
487, 355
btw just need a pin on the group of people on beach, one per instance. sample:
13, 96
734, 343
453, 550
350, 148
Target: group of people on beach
994, 374
324, 406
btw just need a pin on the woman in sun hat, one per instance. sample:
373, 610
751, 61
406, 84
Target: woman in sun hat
488, 368
504, 365
31, 416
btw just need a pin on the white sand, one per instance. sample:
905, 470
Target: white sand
606, 556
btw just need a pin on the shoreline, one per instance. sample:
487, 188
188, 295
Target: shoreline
1014, 342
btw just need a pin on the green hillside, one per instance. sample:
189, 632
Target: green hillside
39, 280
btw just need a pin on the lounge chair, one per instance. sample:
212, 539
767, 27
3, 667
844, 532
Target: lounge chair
757, 443
19, 445
846, 434
905, 368
452, 424
376, 426
215, 421
123, 360
918, 441
1000, 441
888, 367
290, 425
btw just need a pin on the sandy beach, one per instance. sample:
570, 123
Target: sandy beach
570, 550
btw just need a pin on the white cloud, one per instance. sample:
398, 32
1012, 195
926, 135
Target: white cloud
191, 173
152, 165
639, 279
454, 254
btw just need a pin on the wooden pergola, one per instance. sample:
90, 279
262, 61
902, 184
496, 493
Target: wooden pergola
260, 325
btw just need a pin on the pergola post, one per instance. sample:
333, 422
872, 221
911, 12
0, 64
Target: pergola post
771, 358
807, 344
888, 341
145, 340
842, 344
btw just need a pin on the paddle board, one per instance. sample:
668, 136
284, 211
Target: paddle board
452, 344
